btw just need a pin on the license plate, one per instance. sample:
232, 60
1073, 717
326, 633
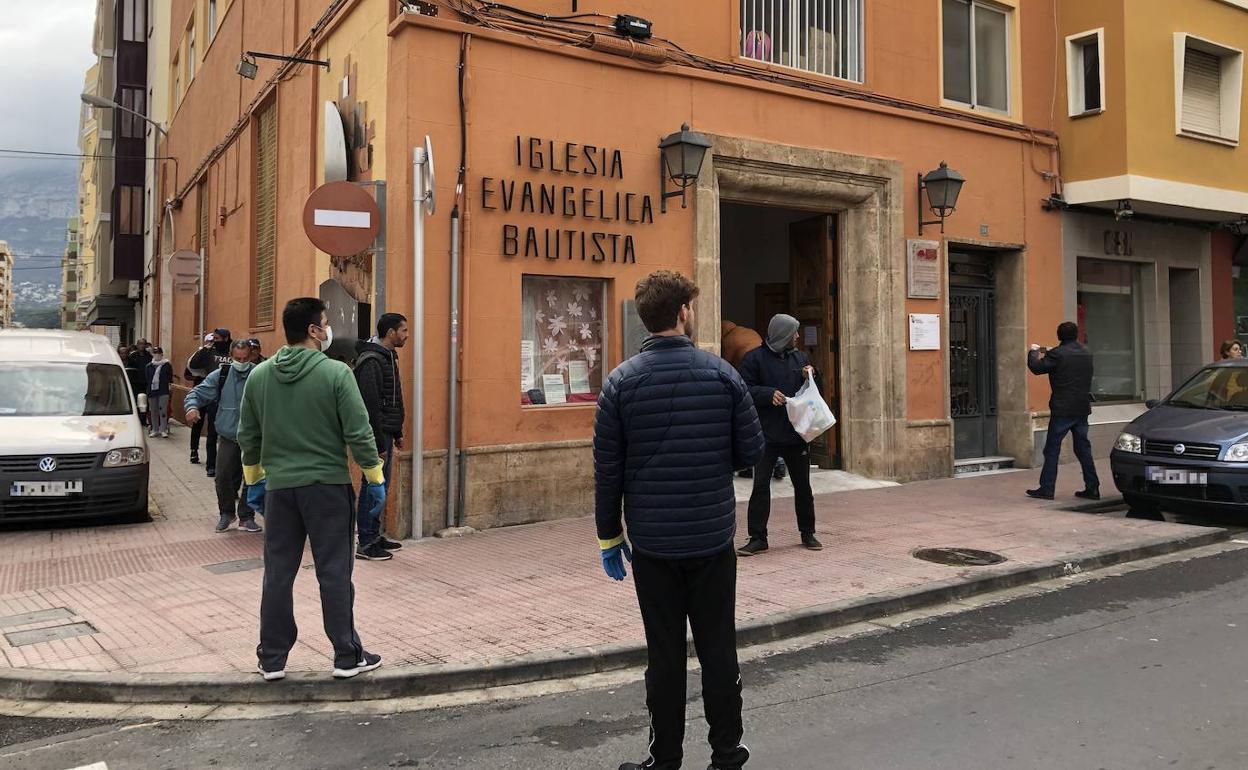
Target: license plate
44, 488
1178, 477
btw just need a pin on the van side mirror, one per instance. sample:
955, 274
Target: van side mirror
1152, 402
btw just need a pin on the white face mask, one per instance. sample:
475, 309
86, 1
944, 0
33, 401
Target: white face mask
242, 367
329, 337
158, 359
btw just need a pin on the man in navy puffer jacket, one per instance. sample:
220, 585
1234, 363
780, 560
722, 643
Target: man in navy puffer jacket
673, 424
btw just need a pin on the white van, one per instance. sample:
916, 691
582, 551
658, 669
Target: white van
71, 443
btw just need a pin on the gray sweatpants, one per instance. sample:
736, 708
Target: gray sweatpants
323, 514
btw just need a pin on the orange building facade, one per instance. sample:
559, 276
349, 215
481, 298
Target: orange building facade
545, 133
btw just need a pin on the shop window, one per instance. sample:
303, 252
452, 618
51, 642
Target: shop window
563, 340
1085, 73
1111, 325
823, 36
976, 54
1210, 80
1239, 286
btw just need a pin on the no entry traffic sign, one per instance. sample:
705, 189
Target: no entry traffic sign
341, 219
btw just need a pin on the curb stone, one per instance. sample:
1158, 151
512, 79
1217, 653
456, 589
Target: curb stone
410, 681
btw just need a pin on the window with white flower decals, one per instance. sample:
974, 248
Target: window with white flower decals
562, 341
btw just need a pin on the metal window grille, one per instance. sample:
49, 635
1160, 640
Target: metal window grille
266, 216
823, 36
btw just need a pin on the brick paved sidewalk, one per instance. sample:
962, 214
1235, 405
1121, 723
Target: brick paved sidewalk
153, 606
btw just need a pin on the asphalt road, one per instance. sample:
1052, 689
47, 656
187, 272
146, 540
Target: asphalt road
1142, 670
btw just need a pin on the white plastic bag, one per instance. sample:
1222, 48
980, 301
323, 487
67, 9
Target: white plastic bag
808, 412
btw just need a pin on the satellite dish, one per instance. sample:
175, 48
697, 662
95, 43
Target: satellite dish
335, 145
428, 167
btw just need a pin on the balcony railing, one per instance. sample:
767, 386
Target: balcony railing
822, 36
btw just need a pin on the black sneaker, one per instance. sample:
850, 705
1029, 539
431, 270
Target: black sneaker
194, 458
1039, 494
368, 662
373, 552
811, 542
212, 473
755, 546
778, 474
224, 522
1089, 494
389, 545
748, 473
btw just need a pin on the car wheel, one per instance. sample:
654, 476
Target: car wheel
1142, 508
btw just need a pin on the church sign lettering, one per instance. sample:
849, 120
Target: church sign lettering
593, 214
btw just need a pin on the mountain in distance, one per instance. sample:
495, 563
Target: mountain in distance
37, 199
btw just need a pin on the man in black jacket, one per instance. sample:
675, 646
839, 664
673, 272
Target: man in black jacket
377, 373
1069, 366
673, 423
214, 354
775, 372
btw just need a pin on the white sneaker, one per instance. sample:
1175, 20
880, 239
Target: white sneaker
270, 676
369, 662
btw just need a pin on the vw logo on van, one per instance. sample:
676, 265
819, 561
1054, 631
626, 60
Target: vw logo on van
1180, 449
47, 464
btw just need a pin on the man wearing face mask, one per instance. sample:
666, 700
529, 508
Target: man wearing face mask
301, 410
223, 390
774, 372
214, 354
159, 375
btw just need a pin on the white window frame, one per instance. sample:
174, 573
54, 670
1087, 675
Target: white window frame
1009, 12
1075, 97
210, 14
1232, 83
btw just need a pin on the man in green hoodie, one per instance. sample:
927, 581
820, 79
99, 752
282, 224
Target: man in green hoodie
301, 410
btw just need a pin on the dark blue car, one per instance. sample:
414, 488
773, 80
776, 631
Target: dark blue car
1189, 452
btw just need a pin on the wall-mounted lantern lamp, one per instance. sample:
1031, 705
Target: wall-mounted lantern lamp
681, 156
247, 64
943, 187
1123, 210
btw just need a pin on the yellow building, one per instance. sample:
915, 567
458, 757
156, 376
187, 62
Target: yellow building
70, 271
1150, 111
88, 195
6, 285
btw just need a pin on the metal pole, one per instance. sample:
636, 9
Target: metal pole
452, 448
418, 334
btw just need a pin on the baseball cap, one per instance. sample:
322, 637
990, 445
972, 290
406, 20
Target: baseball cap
222, 333
252, 342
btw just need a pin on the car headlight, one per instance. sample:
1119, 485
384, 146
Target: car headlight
1238, 453
1129, 443
119, 458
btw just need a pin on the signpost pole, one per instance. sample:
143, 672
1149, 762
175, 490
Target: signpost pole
419, 195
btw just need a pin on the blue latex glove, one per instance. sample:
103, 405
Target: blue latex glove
613, 560
377, 496
255, 495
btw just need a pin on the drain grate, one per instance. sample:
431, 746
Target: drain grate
36, 616
959, 557
242, 565
67, 631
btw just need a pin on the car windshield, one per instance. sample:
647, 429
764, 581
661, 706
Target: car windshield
1214, 388
46, 389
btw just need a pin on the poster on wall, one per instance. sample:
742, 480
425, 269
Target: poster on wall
527, 350
578, 377
552, 385
924, 331
923, 269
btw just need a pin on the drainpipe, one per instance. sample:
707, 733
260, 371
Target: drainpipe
452, 448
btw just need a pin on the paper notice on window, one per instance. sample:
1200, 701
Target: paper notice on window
810, 336
527, 349
578, 377
552, 386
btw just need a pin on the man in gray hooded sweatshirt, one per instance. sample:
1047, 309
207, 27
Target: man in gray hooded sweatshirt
773, 373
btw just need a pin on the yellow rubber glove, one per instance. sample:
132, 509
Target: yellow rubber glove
375, 475
252, 474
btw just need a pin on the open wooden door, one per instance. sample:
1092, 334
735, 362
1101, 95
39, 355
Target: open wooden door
812, 282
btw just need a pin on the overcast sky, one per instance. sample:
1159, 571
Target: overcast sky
45, 49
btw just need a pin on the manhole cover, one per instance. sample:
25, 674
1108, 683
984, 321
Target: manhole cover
959, 557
